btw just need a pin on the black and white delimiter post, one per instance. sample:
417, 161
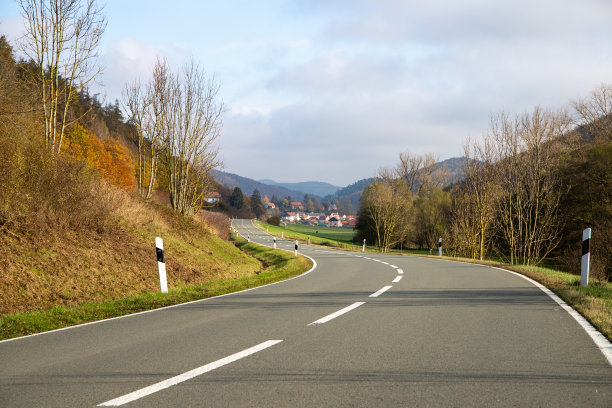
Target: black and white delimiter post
296, 247
364, 242
440, 247
274, 242
161, 264
586, 257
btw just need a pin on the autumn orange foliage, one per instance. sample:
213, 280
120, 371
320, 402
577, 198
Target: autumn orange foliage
111, 157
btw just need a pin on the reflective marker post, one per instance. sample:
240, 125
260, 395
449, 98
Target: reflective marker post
296, 247
586, 257
274, 242
363, 249
440, 247
161, 264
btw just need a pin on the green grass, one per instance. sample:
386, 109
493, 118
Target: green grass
280, 265
327, 236
341, 238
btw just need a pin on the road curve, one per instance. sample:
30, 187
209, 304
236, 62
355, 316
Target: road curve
360, 330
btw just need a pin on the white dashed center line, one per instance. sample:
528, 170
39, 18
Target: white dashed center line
338, 313
397, 279
143, 392
380, 291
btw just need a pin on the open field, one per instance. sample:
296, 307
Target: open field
328, 236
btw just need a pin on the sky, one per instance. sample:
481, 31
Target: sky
334, 90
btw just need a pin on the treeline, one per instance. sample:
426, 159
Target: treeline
236, 204
530, 187
46, 188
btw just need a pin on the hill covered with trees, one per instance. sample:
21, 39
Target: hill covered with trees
528, 190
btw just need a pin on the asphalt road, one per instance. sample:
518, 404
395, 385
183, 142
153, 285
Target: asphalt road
360, 330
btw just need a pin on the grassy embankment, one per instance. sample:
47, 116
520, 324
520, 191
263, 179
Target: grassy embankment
326, 236
594, 301
88, 276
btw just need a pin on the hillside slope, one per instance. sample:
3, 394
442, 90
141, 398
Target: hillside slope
88, 266
317, 188
247, 186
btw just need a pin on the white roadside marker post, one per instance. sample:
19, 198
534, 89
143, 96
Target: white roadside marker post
283, 234
274, 242
296, 247
364, 242
161, 264
309, 240
586, 257
440, 247
248, 238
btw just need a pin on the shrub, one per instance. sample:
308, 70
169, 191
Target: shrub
42, 192
274, 220
218, 222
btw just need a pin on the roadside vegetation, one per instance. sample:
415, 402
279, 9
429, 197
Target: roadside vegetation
232, 270
84, 191
531, 185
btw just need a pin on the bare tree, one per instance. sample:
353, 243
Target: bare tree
418, 172
386, 207
595, 112
148, 109
464, 225
481, 189
191, 128
62, 38
528, 158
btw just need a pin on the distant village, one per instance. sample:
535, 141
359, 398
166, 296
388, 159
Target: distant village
331, 218
295, 212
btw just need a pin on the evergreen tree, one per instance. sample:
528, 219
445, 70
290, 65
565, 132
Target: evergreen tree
237, 198
256, 204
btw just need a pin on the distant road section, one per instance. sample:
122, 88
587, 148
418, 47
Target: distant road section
363, 330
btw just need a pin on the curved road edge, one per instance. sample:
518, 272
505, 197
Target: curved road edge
314, 266
602, 343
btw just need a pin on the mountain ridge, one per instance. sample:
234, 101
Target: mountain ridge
317, 188
351, 193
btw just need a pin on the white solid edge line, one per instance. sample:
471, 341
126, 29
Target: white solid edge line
314, 266
397, 279
602, 343
143, 392
338, 313
599, 339
380, 291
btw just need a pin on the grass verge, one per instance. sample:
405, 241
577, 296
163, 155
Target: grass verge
279, 265
328, 237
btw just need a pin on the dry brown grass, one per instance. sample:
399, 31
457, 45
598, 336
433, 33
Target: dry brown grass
79, 265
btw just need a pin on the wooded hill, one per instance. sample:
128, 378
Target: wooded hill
529, 188
73, 227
